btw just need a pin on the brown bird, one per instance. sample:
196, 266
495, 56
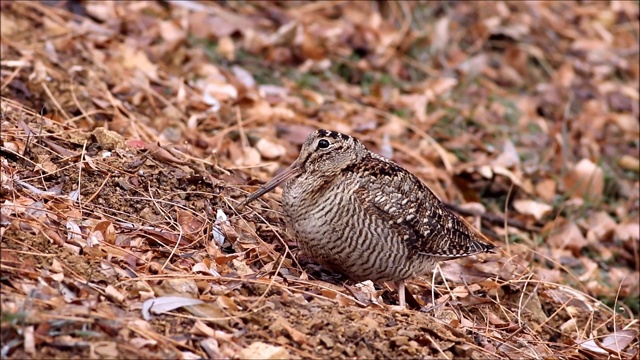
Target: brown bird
359, 214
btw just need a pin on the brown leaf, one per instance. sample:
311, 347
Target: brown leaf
569, 237
534, 208
296, 335
260, 350
191, 224
270, 150
161, 154
601, 227
546, 189
585, 181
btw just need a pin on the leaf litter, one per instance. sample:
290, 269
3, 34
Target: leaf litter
132, 130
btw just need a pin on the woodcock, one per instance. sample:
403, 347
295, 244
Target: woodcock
359, 214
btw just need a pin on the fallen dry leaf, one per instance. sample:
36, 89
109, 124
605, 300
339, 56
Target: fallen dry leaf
260, 350
166, 303
534, 208
585, 180
569, 237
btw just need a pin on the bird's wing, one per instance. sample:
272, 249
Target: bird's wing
401, 200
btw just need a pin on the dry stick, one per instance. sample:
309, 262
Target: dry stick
82, 154
557, 285
35, 253
504, 342
531, 294
125, 223
83, 112
53, 99
243, 280
506, 215
275, 254
230, 317
173, 344
284, 243
222, 133
11, 77
520, 306
287, 251
400, 35
243, 137
95, 194
615, 305
170, 220
559, 265
23, 158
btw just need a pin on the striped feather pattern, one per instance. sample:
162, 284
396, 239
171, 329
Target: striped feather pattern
366, 217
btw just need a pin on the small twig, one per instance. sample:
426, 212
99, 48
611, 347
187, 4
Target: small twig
95, 194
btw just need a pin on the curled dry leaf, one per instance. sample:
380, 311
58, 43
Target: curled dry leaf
191, 224
612, 343
508, 157
106, 349
161, 154
29, 340
73, 230
245, 77
171, 32
250, 157
534, 208
601, 227
628, 231
207, 267
366, 293
95, 238
166, 303
180, 286
107, 229
221, 92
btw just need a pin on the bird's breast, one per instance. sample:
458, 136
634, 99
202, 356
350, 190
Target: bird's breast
334, 229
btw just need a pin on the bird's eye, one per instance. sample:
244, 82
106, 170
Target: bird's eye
323, 144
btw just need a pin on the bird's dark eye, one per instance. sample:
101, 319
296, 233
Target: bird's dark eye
323, 144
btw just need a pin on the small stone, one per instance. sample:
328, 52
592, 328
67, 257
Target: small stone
109, 139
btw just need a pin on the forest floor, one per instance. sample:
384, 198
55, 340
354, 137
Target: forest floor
130, 132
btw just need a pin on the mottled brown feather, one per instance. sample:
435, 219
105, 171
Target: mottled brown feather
358, 213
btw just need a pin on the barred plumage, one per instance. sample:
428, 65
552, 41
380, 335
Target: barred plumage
362, 215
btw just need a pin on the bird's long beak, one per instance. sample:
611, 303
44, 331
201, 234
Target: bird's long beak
287, 174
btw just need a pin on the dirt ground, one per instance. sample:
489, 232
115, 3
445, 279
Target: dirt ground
307, 318
102, 213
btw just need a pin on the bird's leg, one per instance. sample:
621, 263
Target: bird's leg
401, 299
